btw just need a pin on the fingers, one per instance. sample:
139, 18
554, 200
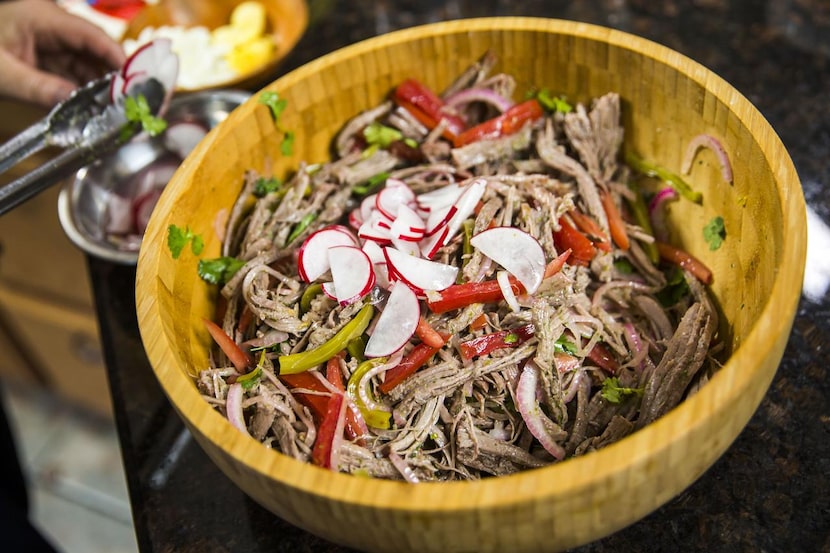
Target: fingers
84, 37
21, 81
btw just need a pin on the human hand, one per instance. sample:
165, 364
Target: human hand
46, 53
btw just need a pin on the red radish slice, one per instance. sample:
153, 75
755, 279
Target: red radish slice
515, 250
439, 218
154, 60
355, 218
374, 251
430, 245
373, 229
440, 197
119, 214
466, 205
367, 206
381, 275
180, 138
328, 290
389, 200
422, 274
313, 259
396, 324
407, 247
351, 273
143, 207
408, 225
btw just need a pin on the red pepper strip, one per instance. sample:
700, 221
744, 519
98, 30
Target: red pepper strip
429, 335
462, 295
241, 360
318, 404
556, 264
333, 373
686, 261
412, 361
590, 228
421, 101
321, 452
509, 122
600, 355
567, 237
483, 345
615, 221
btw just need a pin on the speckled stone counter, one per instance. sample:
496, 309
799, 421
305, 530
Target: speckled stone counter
770, 490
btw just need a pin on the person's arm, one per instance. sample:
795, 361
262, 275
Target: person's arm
45, 52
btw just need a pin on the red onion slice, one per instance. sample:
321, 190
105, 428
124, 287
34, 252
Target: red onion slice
233, 406
531, 411
657, 212
707, 141
479, 94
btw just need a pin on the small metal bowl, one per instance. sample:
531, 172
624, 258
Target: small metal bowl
84, 202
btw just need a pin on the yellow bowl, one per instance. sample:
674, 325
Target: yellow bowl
286, 21
667, 99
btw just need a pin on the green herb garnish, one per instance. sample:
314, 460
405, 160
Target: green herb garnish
563, 345
137, 110
178, 238
300, 227
613, 392
553, 103
263, 186
277, 106
714, 232
371, 185
676, 287
219, 270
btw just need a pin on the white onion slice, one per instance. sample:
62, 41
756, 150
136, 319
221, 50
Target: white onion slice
531, 411
233, 406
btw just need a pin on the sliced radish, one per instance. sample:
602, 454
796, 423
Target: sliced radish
367, 206
466, 205
153, 60
328, 290
421, 274
406, 247
312, 257
180, 138
389, 200
396, 324
431, 244
352, 273
374, 251
381, 275
439, 218
515, 250
119, 214
440, 197
408, 225
143, 207
373, 228
355, 218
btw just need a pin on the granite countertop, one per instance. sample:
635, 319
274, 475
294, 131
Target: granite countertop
769, 491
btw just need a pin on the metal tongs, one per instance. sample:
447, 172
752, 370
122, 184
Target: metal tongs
87, 124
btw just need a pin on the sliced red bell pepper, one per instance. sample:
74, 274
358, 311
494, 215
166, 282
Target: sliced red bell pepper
556, 264
509, 122
333, 373
321, 452
318, 404
462, 295
427, 107
484, 345
412, 361
241, 360
686, 261
615, 221
429, 335
591, 229
569, 238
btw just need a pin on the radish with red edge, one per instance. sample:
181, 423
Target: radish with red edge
154, 60
367, 206
408, 225
439, 218
406, 247
466, 205
355, 218
431, 244
182, 137
420, 273
389, 200
440, 197
396, 323
515, 250
328, 290
372, 229
352, 273
312, 257
374, 251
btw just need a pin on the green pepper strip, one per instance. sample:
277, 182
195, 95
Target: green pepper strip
308, 296
373, 417
640, 212
300, 227
298, 362
654, 170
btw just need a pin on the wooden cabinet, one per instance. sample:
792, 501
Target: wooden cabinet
48, 329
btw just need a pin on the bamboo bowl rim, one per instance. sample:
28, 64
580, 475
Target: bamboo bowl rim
573, 476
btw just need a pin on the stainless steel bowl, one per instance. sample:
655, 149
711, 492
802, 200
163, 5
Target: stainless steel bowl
84, 202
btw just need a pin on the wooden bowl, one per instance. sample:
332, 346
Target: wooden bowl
286, 22
667, 99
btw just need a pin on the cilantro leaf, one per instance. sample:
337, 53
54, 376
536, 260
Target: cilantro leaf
287, 145
553, 103
219, 270
263, 186
137, 110
277, 106
676, 287
178, 238
613, 392
714, 232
